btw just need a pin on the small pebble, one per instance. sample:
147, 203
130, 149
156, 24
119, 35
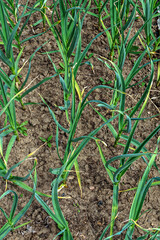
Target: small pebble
100, 203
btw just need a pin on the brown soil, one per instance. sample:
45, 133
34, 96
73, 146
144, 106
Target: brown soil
89, 215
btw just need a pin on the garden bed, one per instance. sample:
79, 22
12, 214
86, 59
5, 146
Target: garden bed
87, 211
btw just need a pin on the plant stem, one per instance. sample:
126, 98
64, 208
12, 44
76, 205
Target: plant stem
22, 104
16, 133
66, 82
129, 232
114, 207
